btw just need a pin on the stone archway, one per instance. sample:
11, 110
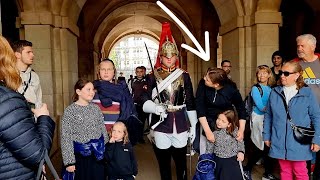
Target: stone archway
9, 11
299, 17
249, 31
144, 17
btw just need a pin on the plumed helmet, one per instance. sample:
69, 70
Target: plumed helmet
167, 45
169, 49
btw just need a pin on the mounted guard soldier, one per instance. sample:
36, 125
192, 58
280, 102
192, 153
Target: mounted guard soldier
171, 102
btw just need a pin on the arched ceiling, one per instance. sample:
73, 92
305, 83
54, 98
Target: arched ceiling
126, 17
133, 25
227, 9
95, 19
143, 17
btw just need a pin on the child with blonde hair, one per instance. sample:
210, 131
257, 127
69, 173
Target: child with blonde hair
121, 162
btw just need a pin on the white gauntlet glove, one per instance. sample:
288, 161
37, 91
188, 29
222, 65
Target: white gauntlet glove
192, 116
151, 107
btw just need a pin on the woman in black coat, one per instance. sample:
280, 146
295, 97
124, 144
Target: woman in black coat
216, 93
22, 141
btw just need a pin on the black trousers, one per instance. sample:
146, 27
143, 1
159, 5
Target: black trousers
164, 161
256, 155
316, 172
88, 168
142, 117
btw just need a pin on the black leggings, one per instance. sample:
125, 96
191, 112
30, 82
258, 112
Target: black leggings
316, 172
164, 161
256, 155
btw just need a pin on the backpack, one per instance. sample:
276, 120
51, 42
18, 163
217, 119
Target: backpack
249, 103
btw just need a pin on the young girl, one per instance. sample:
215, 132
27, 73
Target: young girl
83, 135
226, 147
121, 163
265, 80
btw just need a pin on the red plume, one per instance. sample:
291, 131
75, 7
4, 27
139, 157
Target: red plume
166, 32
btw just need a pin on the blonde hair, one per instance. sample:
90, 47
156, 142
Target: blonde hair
9, 73
271, 80
125, 131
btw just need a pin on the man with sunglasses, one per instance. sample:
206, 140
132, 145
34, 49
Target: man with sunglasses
309, 60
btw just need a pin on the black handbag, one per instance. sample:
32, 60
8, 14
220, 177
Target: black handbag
303, 135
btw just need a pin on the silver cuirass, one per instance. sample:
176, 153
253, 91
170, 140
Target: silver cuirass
173, 96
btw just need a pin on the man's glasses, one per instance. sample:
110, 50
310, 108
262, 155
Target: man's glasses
285, 73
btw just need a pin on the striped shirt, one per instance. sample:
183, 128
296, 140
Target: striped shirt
111, 114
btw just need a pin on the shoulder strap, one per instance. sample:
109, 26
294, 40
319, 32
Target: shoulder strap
287, 111
27, 85
259, 88
166, 82
286, 107
47, 160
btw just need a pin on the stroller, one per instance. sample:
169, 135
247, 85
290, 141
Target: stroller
205, 168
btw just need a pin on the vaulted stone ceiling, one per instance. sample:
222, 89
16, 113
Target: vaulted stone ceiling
104, 22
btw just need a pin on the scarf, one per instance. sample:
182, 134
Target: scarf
109, 92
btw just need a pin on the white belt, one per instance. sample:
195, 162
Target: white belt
171, 108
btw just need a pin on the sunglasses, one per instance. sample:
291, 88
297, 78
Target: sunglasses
285, 73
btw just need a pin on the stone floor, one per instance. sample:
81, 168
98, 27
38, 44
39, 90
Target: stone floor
148, 167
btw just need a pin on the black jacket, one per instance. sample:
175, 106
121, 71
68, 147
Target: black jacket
120, 160
138, 87
22, 142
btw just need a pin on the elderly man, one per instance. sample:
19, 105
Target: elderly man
309, 60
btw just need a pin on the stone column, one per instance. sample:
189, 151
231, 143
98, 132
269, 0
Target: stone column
69, 59
233, 49
41, 38
248, 41
96, 61
192, 69
266, 32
